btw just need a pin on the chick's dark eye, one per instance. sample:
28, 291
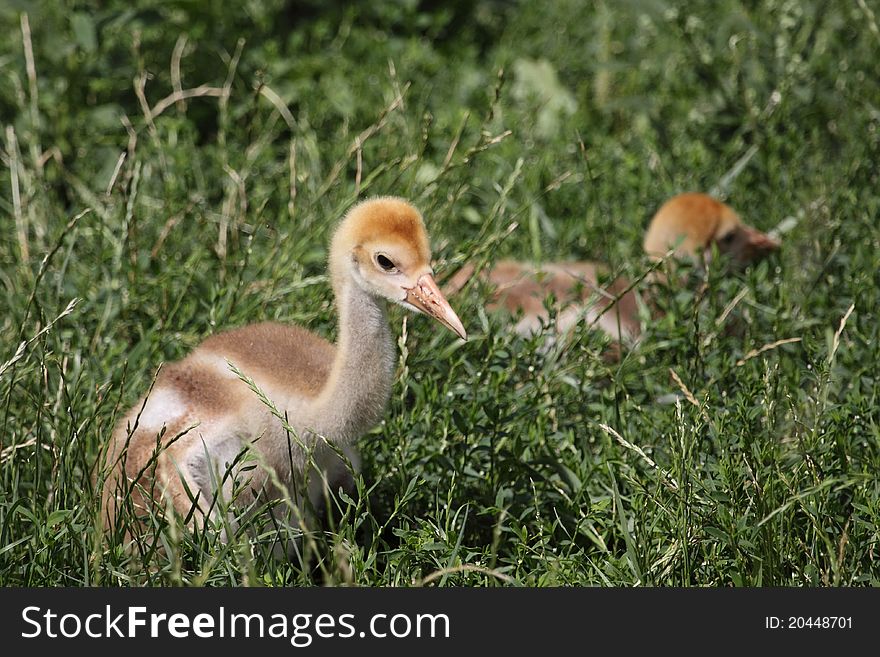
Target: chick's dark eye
385, 262
727, 239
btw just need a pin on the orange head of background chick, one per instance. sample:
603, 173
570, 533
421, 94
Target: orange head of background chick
693, 222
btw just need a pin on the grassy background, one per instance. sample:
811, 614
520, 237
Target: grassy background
537, 130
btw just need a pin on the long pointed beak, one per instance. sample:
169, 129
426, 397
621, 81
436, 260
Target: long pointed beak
427, 297
761, 242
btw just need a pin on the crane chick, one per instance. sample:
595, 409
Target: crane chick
182, 443
689, 224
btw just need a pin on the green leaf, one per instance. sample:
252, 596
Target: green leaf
84, 31
56, 516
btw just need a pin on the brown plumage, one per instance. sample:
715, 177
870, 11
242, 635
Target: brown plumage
692, 222
190, 431
688, 223
521, 289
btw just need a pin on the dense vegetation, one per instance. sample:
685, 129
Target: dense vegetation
175, 168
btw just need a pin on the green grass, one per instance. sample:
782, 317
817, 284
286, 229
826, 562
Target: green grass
535, 130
